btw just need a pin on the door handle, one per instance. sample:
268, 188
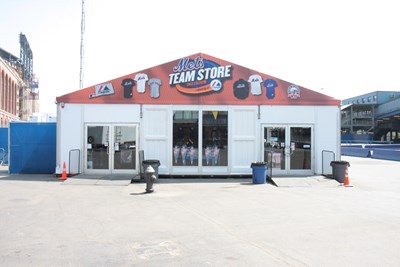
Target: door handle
108, 148
288, 151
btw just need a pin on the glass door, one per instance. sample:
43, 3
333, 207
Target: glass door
300, 150
275, 148
97, 147
124, 156
289, 149
111, 148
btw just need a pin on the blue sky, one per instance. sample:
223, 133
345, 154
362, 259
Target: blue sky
340, 48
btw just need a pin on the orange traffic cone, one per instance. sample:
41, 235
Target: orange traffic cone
64, 173
346, 181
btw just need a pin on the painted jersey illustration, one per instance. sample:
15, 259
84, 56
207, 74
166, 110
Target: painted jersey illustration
241, 89
255, 81
270, 85
155, 84
141, 79
128, 84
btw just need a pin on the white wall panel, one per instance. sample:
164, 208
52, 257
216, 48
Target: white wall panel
154, 134
112, 113
287, 114
327, 135
70, 132
243, 145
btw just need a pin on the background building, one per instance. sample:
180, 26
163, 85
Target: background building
19, 88
371, 117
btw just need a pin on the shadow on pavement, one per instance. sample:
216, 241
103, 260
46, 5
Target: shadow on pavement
5, 176
200, 180
139, 194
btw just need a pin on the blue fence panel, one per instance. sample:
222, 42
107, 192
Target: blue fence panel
32, 147
356, 138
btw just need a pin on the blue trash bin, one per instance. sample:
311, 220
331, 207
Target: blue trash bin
259, 172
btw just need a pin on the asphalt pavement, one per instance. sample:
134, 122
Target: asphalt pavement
306, 221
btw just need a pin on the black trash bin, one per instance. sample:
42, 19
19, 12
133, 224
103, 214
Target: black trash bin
339, 170
154, 163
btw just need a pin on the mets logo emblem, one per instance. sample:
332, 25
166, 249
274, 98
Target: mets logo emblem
293, 92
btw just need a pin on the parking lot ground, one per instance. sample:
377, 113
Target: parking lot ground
307, 221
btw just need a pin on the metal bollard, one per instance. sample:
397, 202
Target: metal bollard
150, 178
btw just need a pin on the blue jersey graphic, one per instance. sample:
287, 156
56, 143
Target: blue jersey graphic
270, 84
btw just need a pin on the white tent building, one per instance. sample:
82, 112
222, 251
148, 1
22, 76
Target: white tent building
198, 115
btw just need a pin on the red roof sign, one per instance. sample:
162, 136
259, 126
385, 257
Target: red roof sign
198, 79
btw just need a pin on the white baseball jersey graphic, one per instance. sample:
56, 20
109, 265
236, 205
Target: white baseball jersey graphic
255, 81
155, 84
141, 79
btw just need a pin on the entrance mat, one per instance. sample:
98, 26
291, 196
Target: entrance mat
85, 179
314, 181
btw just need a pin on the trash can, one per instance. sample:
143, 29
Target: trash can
339, 170
154, 163
259, 172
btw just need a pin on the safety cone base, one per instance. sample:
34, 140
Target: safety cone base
346, 182
63, 178
64, 175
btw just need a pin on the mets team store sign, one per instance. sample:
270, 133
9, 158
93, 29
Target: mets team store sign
199, 76
198, 79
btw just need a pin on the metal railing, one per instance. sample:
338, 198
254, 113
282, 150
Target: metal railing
3, 157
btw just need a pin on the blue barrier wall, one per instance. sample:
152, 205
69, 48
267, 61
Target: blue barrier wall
391, 146
355, 151
4, 145
388, 152
32, 147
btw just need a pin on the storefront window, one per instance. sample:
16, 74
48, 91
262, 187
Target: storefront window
215, 138
185, 138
